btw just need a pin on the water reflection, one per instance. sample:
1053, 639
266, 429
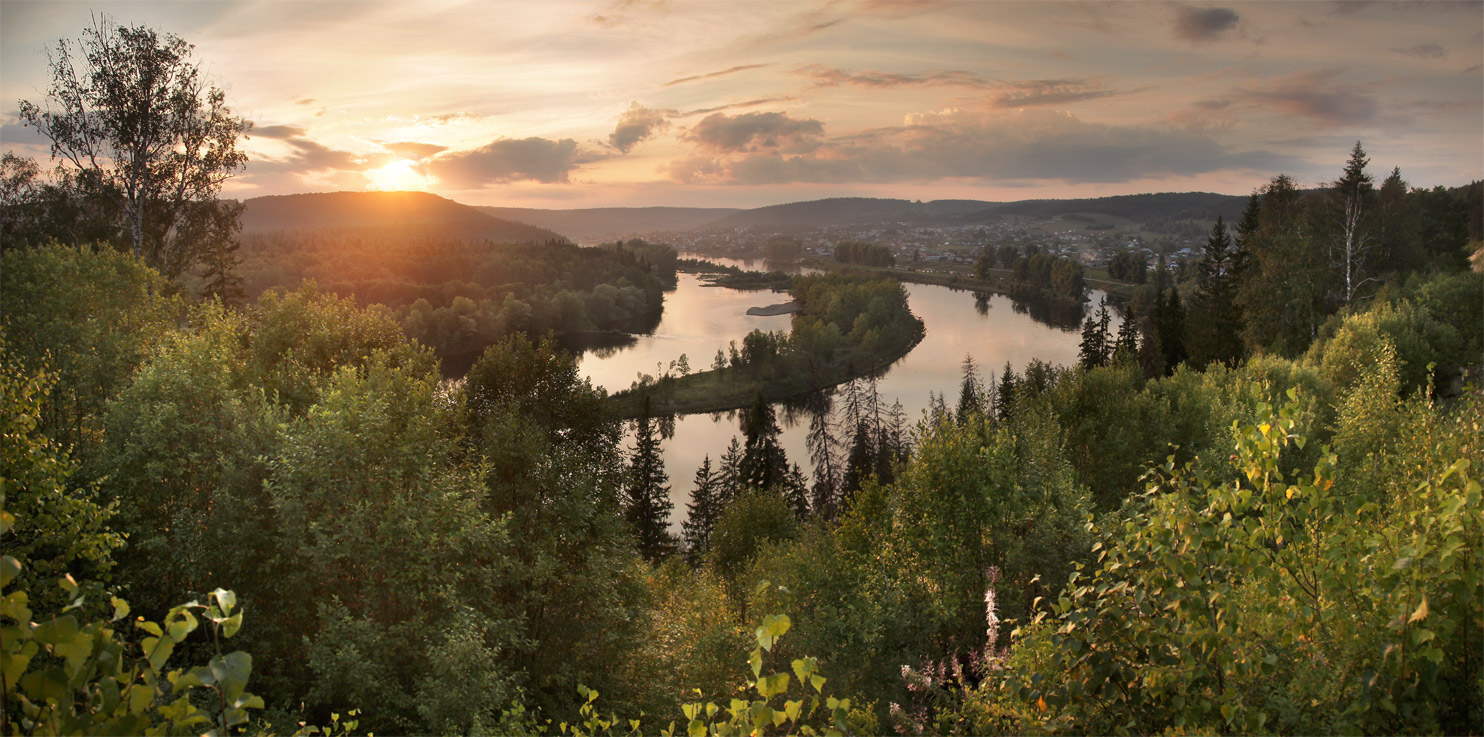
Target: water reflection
991, 328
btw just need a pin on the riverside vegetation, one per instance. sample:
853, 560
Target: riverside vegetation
1277, 535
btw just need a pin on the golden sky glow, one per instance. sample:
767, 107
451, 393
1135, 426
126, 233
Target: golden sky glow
567, 104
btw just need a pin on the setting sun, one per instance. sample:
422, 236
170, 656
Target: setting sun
399, 176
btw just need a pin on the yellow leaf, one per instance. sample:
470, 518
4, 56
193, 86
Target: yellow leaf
1421, 612
1041, 702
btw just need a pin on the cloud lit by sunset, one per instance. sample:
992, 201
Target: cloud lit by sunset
743, 104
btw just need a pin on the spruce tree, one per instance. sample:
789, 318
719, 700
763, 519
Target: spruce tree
763, 463
824, 450
1095, 349
1215, 322
647, 493
969, 393
1005, 393
704, 510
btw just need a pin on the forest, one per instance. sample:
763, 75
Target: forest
1256, 510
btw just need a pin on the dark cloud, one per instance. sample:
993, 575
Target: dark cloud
1424, 51
637, 124
15, 134
508, 160
984, 145
1315, 94
824, 76
713, 75
1043, 92
1200, 25
413, 150
753, 132
280, 132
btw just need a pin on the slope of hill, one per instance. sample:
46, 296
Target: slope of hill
428, 214
591, 225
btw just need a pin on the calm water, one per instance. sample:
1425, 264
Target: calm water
698, 320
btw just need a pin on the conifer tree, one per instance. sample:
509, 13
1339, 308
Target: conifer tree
824, 450
969, 393
1170, 324
763, 463
704, 510
647, 494
1005, 393
1126, 347
1215, 324
1095, 349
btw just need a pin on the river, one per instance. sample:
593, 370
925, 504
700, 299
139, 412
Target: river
699, 319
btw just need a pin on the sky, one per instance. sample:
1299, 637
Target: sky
740, 104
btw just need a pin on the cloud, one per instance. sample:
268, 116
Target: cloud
508, 160
621, 12
276, 131
16, 134
753, 132
985, 144
1316, 94
713, 75
1044, 92
636, 124
413, 150
310, 156
734, 105
824, 76
1424, 51
1204, 116
1202, 25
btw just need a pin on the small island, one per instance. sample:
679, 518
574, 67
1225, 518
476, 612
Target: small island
782, 308
845, 326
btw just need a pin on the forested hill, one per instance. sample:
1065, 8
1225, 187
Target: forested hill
858, 211
430, 214
610, 223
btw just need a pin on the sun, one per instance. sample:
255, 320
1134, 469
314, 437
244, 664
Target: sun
398, 176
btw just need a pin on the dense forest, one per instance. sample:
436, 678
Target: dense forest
1257, 509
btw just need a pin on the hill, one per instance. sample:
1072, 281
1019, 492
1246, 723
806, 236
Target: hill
592, 225
428, 214
862, 211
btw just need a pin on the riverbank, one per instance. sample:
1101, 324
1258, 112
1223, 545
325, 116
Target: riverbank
955, 277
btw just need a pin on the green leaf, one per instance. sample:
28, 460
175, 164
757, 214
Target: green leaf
120, 609
227, 600
231, 624
756, 661
9, 568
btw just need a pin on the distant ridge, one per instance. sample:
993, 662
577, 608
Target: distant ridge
609, 223
424, 213
864, 211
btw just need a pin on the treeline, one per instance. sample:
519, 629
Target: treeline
458, 296
1036, 275
1297, 262
463, 556
864, 254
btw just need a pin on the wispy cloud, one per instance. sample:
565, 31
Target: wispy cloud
1047, 92
826, 76
713, 75
1424, 51
1316, 94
